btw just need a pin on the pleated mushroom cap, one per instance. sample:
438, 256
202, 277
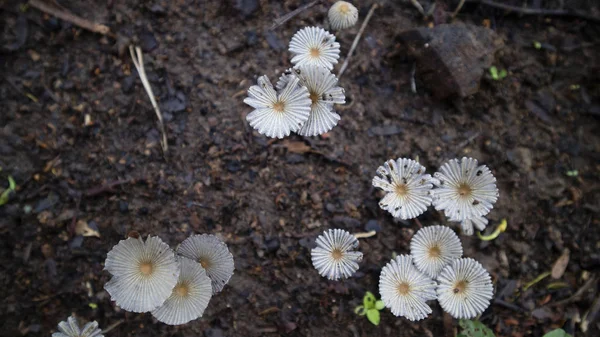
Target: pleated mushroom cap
144, 273
190, 296
213, 255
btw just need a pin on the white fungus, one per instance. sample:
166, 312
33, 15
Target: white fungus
407, 187
465, 289
277, 114
467, 225
464, 189
144, 273
213, 255
315, 46
190, 296
323, 92
433, 247
334, 257
342, 15
404, 289
70, 328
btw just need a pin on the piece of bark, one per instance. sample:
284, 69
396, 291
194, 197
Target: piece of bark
451, 58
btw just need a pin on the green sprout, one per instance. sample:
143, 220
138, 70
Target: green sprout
473, 329
497, 75
537, 45
557, 333
11, 188
572, 173
370, 307
500, 229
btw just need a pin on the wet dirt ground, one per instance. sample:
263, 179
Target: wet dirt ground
80, 138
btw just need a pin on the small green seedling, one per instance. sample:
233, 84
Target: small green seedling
537, 45
572, 173
11, 188
370, 307
557, 333
474, 329
500, 229
497, 75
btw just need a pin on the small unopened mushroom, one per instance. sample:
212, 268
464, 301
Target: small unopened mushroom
190, 296
434, 247
335, 256
144, 273
465, 289
70, 328
213, 255
342, 15
404, 289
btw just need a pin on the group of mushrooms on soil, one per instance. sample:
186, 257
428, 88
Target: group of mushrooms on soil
175, 286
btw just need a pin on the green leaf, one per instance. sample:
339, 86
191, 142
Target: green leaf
379, 305
474, 329
502, 74
557, 333
360, 310
494, 73
11, 188
373, 316
537, 45
369, 300
572, 173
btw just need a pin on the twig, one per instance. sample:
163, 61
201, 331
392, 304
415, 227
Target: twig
540, 11
108, 187
413, 83
356, 39
419, 7
70, 17
138, 62
365, 235
112, 326
578, 294
280, 21
458, 8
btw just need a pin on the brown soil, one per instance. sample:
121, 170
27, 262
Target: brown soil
268, 199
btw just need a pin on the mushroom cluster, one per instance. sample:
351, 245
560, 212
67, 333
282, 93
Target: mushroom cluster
148, 276
435, 270
303, 99
464, 190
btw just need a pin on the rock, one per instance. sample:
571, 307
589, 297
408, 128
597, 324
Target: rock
520, 157
451, 58
384, 130
247, 7
148, 42
373, 225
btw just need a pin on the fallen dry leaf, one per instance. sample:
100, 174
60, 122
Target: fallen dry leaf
561, 264
297, 147
82, 228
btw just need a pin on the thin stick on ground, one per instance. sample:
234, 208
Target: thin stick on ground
112, 326
356, 39
138, 62
365, 235
280, 21
419, 7
540, 11
65, 15
458, 8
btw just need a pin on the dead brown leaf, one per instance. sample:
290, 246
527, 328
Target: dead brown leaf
297, 147
560, 265
82, 228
